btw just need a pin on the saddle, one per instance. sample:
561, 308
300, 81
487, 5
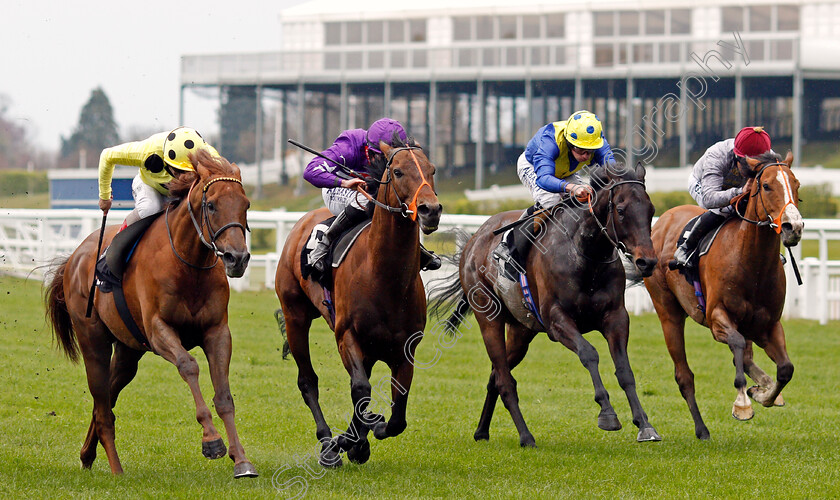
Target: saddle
110, 268
338, 250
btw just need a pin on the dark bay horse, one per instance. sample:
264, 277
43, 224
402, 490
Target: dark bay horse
378, 296
578, 283
743, 282
177, 295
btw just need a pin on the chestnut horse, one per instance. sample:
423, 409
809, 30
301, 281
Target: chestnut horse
177, 295
378, 297
743, 282
577, 280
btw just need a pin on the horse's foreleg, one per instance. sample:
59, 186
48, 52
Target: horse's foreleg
759, 376
217, 347
167, 344
564, 330
777, 351
494, 341
518, 340
616, 331
360, 390
725, 331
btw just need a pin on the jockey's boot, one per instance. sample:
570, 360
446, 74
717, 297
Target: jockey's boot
707, 222
504, 254
428, 260
346, 219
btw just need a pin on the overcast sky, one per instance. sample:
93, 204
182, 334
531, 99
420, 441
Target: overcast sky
54, 53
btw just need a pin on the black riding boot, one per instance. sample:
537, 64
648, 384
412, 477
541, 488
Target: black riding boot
706, 223
511, 256
343, 221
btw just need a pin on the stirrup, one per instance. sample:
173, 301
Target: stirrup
432, 261
682, 258
504, 259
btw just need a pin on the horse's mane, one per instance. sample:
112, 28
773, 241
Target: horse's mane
769, 156
379, 162
599, 177
215, 166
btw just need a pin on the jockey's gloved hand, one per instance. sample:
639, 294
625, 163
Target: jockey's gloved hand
582, 192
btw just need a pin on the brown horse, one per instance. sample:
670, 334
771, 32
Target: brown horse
743, 282
578, 283
178, 297
379, 300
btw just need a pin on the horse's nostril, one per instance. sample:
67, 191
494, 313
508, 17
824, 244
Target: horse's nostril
787, 226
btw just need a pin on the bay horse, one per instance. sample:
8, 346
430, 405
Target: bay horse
743, 282
378, 299
178, 297
577, 281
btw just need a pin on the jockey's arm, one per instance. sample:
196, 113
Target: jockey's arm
544, 167
323, 173
715, 169
130, 153
603, 155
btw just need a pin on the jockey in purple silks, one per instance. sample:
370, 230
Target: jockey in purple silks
356, 149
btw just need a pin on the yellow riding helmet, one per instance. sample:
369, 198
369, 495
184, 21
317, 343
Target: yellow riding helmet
179, 144
583, 129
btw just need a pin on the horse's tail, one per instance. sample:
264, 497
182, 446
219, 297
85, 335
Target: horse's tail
443, 291
57, 314
281, 323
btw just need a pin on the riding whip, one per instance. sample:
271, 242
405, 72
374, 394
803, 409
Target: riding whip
95, 258
344, 168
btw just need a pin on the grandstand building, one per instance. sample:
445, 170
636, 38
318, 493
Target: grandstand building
473, 80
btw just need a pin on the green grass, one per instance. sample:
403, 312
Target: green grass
783, 452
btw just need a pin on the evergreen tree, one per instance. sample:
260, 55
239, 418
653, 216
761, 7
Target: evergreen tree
95, 131
237, 120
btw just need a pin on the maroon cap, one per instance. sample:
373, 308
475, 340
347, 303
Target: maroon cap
752, 141
383, 130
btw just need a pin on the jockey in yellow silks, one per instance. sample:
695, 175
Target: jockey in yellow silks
156, 157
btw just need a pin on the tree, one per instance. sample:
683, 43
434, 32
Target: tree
15, 150
95, 131
237, 120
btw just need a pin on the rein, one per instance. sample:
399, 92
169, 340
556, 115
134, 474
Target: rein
205, 220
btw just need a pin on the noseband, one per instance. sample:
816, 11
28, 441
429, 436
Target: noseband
205, 221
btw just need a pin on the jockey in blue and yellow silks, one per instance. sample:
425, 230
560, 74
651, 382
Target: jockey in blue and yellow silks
550, 167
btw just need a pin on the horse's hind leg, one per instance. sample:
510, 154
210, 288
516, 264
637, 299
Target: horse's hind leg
616, 331
123, 369
297, 333
401, 376
777, 351
518, 340
217, 346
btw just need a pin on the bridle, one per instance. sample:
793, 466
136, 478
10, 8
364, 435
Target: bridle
205, 221
406, 210
616, 243
774, 223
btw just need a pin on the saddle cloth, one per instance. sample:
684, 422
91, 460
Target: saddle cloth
705, 243
335, 255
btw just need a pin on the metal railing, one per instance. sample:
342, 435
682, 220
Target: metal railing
31, 239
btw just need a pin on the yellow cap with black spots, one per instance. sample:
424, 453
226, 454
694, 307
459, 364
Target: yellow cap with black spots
583, 129
180, 143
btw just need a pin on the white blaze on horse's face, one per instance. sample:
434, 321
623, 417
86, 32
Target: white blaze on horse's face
790, 220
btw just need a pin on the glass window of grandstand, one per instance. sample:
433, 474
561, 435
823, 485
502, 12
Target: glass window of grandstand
732, 19
417, 29
396, 31
353, 60
530, 27
628, 23
353, 32
507, 27
680, 21
654, 22
759, 18
376, 60
555, 26
483, 28
788, 17
375, 32
604, 24
332, 33
398, 59
461, 28
604, 54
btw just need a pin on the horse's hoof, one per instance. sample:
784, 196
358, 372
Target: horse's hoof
648, 434
213, 449
780, 401
360, 453
244, 469
330, 459
527, 441
742, 412
702, 433
609, 422
380, 430
481, 436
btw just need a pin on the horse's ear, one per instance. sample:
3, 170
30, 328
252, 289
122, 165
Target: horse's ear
640, 171
385, 148
789, 158
753, 163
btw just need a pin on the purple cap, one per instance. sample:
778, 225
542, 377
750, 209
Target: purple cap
383, 130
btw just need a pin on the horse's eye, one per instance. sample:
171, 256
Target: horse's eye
211, 207
620, 212
249, 206
398, 173
766, 186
